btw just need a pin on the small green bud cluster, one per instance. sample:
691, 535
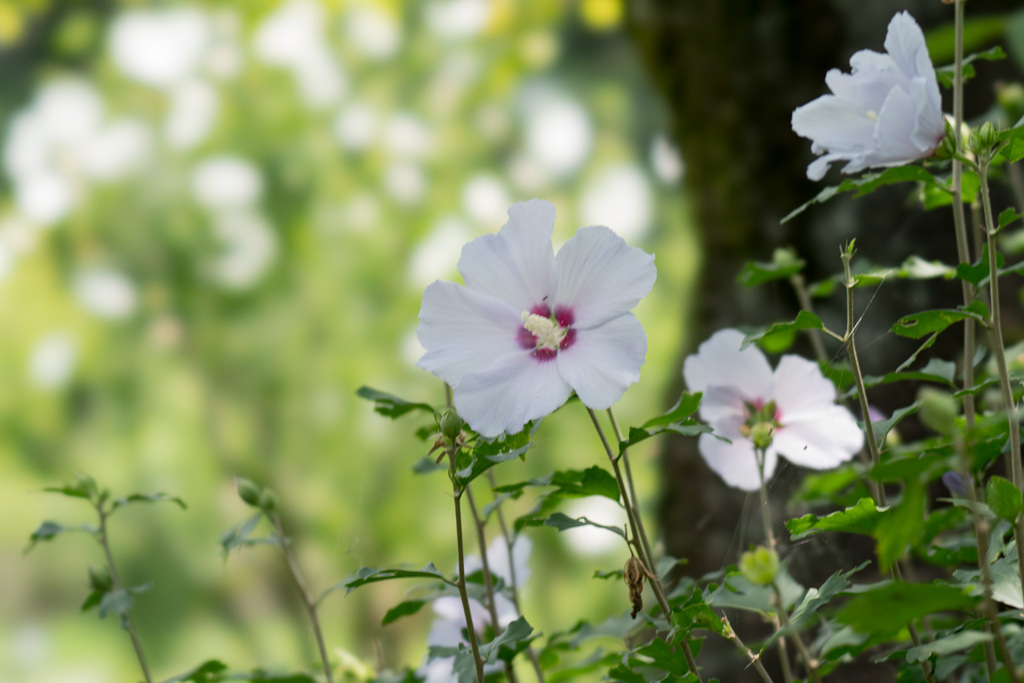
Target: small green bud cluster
257, 497
760, 566
983, 139
450, 424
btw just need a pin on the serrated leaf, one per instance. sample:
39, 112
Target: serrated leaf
696, 614
389, 405
902, 527
1009, 216
866, 184
1004, 498
148, 498
901, 603
862, 518
740, 593
563, 522
813, 600
687, 405
402, 609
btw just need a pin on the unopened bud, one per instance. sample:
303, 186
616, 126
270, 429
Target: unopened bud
760, 566
947, 148
450, 424
1011, 98
249, 491
99, 579
267, 501
987, 134
938, 409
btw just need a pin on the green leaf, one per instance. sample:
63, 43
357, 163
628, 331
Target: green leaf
805, 320
368, 575
1004, 498
83, 487
148, 498
883, 427
391, 406
47, 531
207, 672
92, 600
516, 632
785, 264
1007, 217
686, 406
936, 370
238, 535
740, 593
402, 609
563, 522
902, 527
918, 325
486, 453
867, 183
958, 642
884, 611
118, 601
696, 614
862, 518
947, 73
813, 600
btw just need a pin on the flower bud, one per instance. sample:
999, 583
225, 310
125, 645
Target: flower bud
938, 409
267, 500
947, 148
99, 579
249, 491
760, 566
987, 134
450, 424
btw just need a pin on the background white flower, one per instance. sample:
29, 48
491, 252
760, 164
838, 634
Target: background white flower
447, 630
529, 328
887, 112
811, 431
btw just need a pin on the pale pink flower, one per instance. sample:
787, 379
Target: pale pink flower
810, 429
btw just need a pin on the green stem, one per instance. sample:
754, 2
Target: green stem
996, 342
492, 609
116, 585
810, 663
755, 660
307, 599
636, 523
514, 582
780, 619
453, 452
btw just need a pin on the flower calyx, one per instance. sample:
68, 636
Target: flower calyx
762, 421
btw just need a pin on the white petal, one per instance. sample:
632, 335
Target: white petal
736, 463
601, 277
821, 441
464, 331
719, 362
604, 360
904, 42
817, 168
929, 126
896, 121
834, 124
865, 89
723, 408
514, 390
800, 390
517, 264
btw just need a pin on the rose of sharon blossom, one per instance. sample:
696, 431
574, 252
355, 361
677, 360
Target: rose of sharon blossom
887, 112
447, 629
529, 327
810, 430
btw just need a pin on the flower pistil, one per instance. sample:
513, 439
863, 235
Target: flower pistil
546, 332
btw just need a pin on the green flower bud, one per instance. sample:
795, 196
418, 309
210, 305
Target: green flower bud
450, 424
987, 134
249, 491
267, 501
762, 434
760, 566
1011, 98
99, 579
938, 409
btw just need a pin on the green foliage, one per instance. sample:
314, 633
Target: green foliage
813, 600
1004, 498
784, 264
368, 575
805, 320
862, 518
901, 603
391, 406
918, 325
866, 184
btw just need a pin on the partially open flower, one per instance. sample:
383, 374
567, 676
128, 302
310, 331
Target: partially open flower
887, 112
530, 327
745, 400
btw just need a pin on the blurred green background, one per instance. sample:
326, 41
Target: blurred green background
216, 223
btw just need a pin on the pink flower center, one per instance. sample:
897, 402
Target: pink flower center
546, 332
